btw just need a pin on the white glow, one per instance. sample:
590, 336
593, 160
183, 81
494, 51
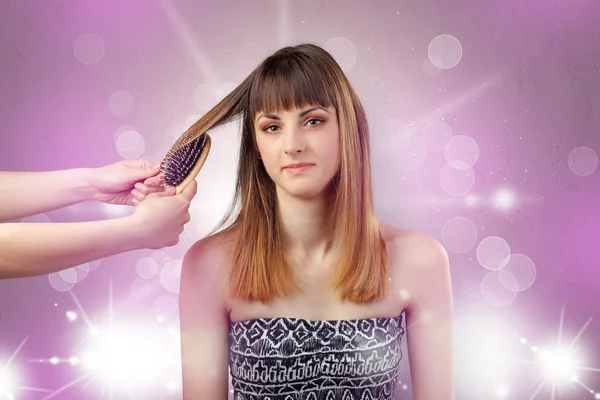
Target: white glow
59, 283
172, 386
504, 199
519, 273
558, 364
125, 356
445, 51
130, 144
502, 391
493, 253
71, 316
130, 357
7, 385
486, 352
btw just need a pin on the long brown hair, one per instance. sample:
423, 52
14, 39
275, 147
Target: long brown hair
294, 77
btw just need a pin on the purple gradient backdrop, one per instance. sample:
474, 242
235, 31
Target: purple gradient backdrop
526, 91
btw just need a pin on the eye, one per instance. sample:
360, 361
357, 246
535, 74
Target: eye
268, 128
315, 121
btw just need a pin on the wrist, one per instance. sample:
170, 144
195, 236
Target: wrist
85, 181
119, 236
131, 233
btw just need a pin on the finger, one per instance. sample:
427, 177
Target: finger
190, 190
137, 195
163, 193
147, 189
141, 188
140, 173
155, 189
157, 180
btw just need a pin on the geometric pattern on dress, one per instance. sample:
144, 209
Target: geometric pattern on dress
298, 359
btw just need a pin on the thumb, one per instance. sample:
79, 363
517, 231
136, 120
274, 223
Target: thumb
190, 190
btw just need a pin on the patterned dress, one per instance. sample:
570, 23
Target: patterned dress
293, 359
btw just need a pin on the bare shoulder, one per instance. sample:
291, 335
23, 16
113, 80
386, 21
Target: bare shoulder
412, 245
418, 258
212, 246
207, 259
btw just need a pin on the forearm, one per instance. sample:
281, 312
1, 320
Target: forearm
28, 193
30, 249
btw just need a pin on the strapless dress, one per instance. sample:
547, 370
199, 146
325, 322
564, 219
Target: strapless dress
293, 359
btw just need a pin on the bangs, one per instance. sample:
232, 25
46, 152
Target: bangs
287, 82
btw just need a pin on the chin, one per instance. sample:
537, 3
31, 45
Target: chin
305, 191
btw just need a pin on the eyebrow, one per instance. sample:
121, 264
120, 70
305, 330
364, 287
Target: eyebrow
302, 114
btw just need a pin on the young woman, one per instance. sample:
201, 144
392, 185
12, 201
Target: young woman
304, 294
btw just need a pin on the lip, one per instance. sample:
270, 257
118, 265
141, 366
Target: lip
299, 165
297, 169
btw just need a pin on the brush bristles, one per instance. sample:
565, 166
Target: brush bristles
180, 160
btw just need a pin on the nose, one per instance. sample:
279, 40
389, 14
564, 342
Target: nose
294, 141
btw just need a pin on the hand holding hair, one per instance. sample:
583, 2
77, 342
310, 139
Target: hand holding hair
126, 182
30, 249
159, 220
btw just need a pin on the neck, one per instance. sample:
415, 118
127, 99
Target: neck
306, 224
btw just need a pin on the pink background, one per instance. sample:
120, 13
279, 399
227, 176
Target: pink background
486, 138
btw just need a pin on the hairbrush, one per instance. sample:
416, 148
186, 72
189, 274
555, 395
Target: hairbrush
184, 160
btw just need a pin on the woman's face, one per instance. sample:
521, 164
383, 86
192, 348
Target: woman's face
308, 138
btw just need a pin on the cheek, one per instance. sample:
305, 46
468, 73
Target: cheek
270, 164
335, 153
